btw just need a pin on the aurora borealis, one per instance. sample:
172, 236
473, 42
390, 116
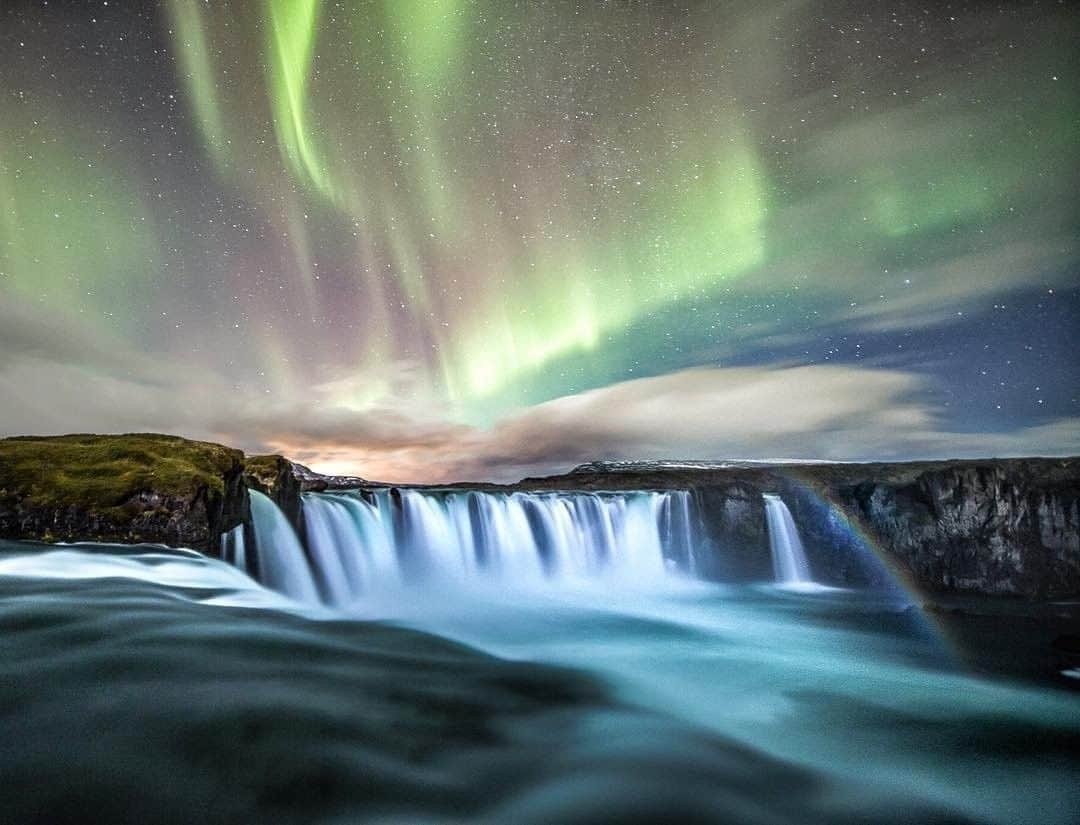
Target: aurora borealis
436, 239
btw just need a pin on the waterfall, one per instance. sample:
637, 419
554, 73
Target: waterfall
280, 562
364, 542
232, 547
789, 560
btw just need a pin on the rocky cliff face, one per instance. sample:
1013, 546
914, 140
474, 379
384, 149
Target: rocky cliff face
128, 488
991, 527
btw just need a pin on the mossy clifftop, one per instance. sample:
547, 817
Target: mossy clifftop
136, 487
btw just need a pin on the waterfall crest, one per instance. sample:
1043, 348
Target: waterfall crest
363, 542
790, 565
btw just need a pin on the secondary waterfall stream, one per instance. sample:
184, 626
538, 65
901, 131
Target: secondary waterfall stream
789, 559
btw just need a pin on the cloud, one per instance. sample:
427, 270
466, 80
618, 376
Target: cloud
59, 378
831, 412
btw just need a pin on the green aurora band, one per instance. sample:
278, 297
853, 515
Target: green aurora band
517, 198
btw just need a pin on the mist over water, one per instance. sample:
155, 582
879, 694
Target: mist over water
852, 685
472, 658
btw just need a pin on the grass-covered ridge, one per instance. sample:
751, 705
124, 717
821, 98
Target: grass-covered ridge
102, 472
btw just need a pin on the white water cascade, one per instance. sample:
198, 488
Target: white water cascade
788, 557
232, 547
363, 542
281, 563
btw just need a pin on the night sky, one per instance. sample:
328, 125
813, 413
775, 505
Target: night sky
441, 239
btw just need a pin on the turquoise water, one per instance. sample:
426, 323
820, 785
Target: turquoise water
156, 685
847, 683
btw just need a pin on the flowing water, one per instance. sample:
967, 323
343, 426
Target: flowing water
278, 551
599, 681
364, 544
789, 559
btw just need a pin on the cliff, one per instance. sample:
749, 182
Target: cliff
122, 488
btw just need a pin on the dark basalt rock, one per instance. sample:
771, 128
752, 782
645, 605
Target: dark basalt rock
733, 525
